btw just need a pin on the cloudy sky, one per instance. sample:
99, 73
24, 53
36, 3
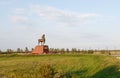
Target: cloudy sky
79, 24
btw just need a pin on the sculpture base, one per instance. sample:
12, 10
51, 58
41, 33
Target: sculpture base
41, 49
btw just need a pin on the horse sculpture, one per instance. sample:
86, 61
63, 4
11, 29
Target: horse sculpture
42, 40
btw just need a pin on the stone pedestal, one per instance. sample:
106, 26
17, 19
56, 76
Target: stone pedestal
41, 49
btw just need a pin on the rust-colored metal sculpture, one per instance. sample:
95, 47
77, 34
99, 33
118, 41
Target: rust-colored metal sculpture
41, 49
42, 40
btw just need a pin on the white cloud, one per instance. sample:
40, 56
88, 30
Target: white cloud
48, 13
90, 15
19, 19
6, 2
19, 11
62, 16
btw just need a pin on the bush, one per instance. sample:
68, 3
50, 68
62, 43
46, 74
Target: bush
45, 71
63, 75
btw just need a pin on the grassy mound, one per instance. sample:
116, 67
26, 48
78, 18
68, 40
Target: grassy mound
62, 66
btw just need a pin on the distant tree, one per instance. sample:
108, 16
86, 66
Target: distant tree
51, 50
32, 49
74, 50
67, 50
56, 50
0, 51
83, 51
103, 51
10, 51
62, 50
26, 49
21, 50
90, 51
78, 51
18, 50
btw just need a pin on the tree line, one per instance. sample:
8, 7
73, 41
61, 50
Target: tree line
58, 51
18, 50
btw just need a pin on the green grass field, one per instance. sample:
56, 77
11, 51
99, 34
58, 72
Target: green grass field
77, 66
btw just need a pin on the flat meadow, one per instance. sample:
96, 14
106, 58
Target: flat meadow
59, 66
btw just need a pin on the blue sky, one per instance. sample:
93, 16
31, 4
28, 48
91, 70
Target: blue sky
82, 24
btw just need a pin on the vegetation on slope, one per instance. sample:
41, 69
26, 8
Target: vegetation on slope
64, 66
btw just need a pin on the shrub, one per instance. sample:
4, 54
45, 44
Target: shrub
45, 71
63, 75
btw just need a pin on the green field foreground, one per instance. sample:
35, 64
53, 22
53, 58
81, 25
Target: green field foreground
73, 65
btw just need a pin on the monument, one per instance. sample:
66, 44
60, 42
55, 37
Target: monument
41, 48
